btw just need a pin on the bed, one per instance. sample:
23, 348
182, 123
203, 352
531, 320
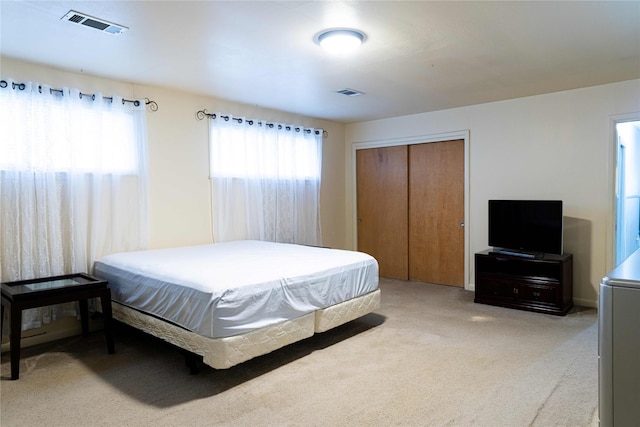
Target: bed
233, 301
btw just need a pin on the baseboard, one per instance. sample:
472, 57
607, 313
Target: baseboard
582, 302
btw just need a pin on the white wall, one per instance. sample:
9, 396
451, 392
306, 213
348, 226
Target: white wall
554, 146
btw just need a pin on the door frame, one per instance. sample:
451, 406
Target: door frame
412, 140
612, 185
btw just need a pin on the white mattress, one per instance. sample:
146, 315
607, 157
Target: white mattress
231, 288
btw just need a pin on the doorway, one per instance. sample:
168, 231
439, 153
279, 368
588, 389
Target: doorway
627, 190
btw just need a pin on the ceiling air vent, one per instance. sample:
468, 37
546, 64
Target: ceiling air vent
92, 22
350, 92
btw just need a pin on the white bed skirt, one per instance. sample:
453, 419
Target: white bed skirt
225, 352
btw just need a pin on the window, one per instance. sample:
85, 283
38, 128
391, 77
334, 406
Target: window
265, 181
48, 133
253, 153
73, 183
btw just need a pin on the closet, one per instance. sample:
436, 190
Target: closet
410, 210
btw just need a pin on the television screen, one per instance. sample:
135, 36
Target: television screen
526, 225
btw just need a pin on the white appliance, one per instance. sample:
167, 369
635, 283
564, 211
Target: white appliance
619, 345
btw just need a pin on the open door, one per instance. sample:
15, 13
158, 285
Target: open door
627, 215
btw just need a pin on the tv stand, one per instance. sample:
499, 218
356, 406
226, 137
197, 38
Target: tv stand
543, 284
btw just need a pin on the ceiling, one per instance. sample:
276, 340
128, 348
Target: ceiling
419, 56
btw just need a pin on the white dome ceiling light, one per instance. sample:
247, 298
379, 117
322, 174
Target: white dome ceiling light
340, 40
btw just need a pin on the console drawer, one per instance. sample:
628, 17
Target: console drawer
496, 287
540, 294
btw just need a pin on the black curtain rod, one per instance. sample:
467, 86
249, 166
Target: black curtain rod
200, 115
153, 106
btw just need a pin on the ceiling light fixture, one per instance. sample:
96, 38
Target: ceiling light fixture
340, 40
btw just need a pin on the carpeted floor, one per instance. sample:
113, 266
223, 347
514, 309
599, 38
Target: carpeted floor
428, 357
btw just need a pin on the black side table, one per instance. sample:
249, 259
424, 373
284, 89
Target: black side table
24, 294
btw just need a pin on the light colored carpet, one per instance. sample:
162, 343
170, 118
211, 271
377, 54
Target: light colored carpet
428, 357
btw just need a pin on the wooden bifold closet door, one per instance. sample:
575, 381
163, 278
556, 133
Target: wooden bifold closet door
410, 202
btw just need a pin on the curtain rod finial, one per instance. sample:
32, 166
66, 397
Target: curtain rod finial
200, 115
152, 105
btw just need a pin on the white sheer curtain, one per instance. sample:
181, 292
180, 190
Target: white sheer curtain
265, 181
73, 183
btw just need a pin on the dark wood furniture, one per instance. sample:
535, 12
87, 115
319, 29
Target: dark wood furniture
24, 294
542, 284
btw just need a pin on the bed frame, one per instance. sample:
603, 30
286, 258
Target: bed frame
223, 353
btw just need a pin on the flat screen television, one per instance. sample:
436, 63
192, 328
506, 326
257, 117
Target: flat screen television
526, 226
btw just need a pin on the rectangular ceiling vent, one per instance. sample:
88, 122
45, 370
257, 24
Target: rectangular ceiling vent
92, 22
350, 92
